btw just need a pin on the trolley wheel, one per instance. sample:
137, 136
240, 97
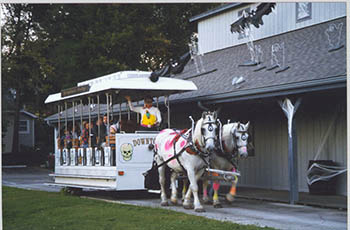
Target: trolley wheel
76, 191
71, 191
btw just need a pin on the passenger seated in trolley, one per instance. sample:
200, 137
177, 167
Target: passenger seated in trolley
150, 115
68, 139
102, 134
60, 138
93, 133
114, 127
105, 123
85, 135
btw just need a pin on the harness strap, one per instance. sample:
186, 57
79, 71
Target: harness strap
189, 147
176, 155
172, 158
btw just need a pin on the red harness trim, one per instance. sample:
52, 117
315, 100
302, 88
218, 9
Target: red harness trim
178, 135
191, 150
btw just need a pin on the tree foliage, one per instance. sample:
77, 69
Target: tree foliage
48, 47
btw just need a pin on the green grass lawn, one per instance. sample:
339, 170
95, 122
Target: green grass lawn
32, 210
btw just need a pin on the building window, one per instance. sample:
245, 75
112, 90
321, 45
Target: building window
24, 126
303, 11
240, 14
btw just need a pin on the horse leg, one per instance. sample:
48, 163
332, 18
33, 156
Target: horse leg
164, 201
187, 198
173, 198
230, 197
194, 188
216, 201
184, 189
205, 192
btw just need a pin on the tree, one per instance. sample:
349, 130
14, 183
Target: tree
90, 40
24, 70
48, 47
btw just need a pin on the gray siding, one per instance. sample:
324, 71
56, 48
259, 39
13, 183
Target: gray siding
269, 167
214, 32
27, 139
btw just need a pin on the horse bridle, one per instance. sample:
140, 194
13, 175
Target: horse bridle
244, 137
210, 128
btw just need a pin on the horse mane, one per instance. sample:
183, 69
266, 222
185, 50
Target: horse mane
226, 130
227, 136
197, 134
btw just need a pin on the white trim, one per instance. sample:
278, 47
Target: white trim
129, 80
28, 113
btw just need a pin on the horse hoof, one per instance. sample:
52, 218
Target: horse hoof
199, 210
188, 206
173, 202
164, 203
217, 206
230, 198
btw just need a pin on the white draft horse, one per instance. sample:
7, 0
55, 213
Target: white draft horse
233, 145
186, 151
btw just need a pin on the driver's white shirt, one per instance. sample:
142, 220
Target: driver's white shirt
155, 116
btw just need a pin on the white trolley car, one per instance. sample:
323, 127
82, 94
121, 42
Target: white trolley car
120, 164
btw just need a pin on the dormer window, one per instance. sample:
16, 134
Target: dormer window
303, 11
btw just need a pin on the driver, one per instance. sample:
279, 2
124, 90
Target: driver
150, 115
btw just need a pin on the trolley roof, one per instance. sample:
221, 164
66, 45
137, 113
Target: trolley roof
133, 83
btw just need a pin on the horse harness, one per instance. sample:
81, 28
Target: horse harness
210, 128
191, 148
229, 156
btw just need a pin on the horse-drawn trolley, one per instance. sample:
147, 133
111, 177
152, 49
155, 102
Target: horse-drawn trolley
114, 161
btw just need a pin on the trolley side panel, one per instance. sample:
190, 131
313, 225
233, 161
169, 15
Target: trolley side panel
133, 157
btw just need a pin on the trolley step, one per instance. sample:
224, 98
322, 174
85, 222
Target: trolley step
82, 186
84, 176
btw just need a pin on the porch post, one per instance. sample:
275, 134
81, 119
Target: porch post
289, 111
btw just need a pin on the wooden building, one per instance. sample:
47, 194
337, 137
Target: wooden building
298, 52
